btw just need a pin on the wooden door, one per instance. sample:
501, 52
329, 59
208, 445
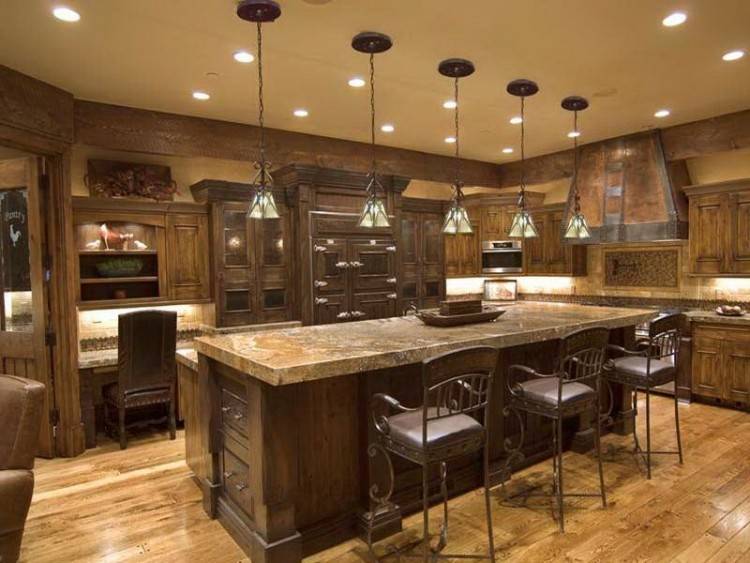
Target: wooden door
272, 267
23, 304
737, 366
707, 234
234, 255
707, 363
739, 232
557, 254
533, 248
373, 265
187, 254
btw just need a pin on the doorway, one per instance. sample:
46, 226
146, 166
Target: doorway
25, 348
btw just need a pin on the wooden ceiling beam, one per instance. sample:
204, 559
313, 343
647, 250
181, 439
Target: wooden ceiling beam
716, 134
137, 130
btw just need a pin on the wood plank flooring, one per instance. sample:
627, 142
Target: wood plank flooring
141, 505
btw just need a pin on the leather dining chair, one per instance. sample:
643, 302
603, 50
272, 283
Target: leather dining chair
21, 404
146, 371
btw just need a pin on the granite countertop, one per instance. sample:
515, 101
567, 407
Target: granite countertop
308, 353
108, 358
714, 317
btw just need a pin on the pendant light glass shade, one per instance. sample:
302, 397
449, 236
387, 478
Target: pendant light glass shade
577, 226
522, 226
373, 213
263, 205
457, 220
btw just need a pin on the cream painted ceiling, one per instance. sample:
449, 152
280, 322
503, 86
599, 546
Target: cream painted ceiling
154, 53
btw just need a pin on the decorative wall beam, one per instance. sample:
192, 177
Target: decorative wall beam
137, 130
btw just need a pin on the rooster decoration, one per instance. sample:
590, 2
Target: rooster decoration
15, 236
114, 240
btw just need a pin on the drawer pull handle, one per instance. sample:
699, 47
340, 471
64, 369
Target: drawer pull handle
392, 296
320, 283
226, 409
358, 314
344, 315
319, 248
239, 416
356, 264
391, 280
228, 475
390, 248
321, 300
240, 487
342, 265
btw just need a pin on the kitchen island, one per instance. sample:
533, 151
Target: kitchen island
286, 418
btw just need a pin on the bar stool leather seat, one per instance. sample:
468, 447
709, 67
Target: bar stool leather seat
662, 371
406, 429
545, 390
141, 398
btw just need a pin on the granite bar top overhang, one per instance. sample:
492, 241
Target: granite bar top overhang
295, 355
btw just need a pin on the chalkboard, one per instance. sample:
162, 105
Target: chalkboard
14, 243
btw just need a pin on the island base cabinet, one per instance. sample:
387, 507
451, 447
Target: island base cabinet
721, 363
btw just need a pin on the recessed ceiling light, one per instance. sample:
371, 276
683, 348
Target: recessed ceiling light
662, 113
243, 57
450, 104
733, 55
387, 128
450, 139
508, 150
66, 14
301, 112
674, 19
357, 82
574, 134
516, 120
200, 95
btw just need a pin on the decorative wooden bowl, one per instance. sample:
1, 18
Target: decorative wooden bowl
729, 311
434, 318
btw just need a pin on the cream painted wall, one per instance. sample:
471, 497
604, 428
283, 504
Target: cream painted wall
731, 165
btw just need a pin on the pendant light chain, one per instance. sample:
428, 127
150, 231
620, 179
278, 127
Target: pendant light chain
261, 108
577, 200
458, 143
523, 153
372, 111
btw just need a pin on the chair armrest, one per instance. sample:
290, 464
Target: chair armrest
518, 373
380, 419
621, 351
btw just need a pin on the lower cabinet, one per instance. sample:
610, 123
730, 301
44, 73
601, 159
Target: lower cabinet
721, 362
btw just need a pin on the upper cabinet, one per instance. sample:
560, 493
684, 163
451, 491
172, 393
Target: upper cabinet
132, 252
422, 271
720, 228
548, 254
463, 251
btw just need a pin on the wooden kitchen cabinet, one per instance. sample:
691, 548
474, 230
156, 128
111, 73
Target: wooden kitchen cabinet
422, 282
547, 254
187, 251
721, 362
719, 220
463, 252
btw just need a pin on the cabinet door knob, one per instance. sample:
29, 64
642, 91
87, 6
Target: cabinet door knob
392, 296
344, 315
342, 265
239, 416
240, 487
321, 300
356, 264
390, 248
226, 409
320, 283
319, 248
228, 474
391, 280
358, 314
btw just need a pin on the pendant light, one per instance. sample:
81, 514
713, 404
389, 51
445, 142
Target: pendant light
522, 225
457, 218
263, 205
577, 226
373, 213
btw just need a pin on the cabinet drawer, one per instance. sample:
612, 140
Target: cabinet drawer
233, 412
235, 480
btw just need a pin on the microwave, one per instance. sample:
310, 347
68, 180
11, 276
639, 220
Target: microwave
502, 257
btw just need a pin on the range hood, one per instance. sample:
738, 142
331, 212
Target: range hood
629, 192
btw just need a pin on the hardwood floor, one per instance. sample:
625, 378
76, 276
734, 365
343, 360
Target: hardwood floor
141, 505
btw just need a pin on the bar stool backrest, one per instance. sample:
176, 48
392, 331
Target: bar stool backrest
458, 382
664, 338
582, 355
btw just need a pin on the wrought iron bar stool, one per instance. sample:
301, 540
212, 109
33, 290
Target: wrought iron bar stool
573, 388
653, 364
451, 422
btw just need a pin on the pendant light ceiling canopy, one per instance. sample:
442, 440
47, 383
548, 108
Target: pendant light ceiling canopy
577, 226
263, 204
457, 218
374, 213
522, 225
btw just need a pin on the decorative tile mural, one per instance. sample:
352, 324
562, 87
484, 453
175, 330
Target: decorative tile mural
642, 268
